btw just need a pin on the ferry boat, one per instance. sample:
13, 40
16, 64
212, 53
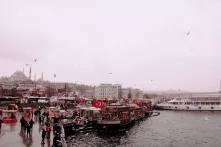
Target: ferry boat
208, 103
9, 116
114, 117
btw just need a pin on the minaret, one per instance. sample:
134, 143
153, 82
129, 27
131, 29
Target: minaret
35, 77
30, 73
220, 88
42, 76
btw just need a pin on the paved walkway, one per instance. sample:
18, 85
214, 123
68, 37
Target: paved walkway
11, 136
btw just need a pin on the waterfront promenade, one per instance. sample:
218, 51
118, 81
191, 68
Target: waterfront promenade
11, 136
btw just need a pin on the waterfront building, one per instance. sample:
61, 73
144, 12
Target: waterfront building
108, 91
131, 93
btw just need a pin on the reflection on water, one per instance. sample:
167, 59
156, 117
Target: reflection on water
169, 129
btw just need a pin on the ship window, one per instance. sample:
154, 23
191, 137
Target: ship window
213, 103
187, 107
212, 108
197, 103
175, 103
175, 107
217, 103
203, 103
199, 107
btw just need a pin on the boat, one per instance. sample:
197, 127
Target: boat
113, 117
9, 116
145, 104
81, 118
208, 103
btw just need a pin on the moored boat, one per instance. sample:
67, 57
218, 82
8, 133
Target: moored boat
114, 116
9, 116
195, 104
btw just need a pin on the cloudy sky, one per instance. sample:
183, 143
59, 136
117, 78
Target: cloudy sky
148, 44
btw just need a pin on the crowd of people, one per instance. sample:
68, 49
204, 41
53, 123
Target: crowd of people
46, 124
47, 128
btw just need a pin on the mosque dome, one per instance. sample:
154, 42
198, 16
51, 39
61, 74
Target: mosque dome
18, 76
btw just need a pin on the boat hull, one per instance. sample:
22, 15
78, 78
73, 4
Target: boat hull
9, 121
189, 107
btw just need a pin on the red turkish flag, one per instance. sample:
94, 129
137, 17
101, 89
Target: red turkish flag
98, 104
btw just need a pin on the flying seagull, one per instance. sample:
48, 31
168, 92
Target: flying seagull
188, 33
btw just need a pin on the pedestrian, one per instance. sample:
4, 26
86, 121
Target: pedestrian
0, 120
48, 128
25, 124
31, 122
28, 128
22, 123
57, 140
57, 128
43, 135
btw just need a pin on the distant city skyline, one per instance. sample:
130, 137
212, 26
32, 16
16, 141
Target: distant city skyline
151, 45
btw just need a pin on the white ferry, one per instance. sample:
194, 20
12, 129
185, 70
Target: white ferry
207, 103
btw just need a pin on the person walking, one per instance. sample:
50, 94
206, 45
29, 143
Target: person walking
43, 134
0, 120
22, 121
28, 129
57, 140
25, 126
48, 128
31, 122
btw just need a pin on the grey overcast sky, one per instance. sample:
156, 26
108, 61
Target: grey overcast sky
148, 44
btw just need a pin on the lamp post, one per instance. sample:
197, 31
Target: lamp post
55, 83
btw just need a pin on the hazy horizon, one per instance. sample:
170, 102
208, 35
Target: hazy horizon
151, 45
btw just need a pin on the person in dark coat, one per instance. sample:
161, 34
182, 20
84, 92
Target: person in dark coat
44, 131
48, 129
25, 124
22, 122
31, 122
0, 120
28, 128
57, 140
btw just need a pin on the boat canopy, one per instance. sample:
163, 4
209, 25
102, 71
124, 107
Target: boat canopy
90, 108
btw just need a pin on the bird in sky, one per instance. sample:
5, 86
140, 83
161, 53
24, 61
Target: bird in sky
188, 33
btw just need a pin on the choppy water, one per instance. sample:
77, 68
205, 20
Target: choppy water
169, 129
